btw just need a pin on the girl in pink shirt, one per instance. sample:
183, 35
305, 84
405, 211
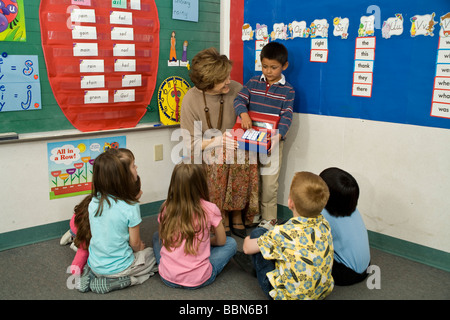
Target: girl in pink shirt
187, 254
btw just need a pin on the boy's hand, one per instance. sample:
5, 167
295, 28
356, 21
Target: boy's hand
246, 121
275, 140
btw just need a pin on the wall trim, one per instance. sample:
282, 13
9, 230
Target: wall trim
405, 249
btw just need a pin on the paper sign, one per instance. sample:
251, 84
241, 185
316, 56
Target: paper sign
88, 82
70, 164
341, 27
87, 65
124, 49
125, 65
185, 10
118, 33
422, 25
131, 80
82, 32
121, 17
20, 87
96, 96
85, 49
82, 15
124, 95
392, 26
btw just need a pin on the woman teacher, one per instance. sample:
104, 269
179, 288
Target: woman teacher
207, 112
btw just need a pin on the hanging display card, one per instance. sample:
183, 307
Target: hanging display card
102, 59
20, 87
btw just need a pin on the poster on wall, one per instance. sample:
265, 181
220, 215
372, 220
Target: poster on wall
102, 60
12, 21
20, 87
70, 164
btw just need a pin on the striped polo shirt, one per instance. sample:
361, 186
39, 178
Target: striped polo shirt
276, 99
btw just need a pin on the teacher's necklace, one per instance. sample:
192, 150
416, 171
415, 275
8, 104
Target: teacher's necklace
208, 119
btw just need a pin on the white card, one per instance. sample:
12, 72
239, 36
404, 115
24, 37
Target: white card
121, 17
125, 65
89, 82
124, 95
124, 49
131, 80
85, 49
83, 15
96, 96
119, 33
83, 32
91, 65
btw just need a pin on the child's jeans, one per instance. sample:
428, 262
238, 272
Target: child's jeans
262, 266
219, 258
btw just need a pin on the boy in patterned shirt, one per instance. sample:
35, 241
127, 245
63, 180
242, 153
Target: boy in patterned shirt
293, 261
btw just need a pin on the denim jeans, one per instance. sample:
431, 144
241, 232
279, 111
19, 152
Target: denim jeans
218, 258
262, 266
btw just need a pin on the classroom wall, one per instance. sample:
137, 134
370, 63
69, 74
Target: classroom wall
402, 170
24, 189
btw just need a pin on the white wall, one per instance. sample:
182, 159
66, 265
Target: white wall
403, 172
24, 187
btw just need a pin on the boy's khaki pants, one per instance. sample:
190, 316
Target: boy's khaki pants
269, 173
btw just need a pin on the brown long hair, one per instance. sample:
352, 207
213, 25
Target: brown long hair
182, 216
81, 210
112, 177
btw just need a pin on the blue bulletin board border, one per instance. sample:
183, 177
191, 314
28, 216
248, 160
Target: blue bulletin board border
404, 66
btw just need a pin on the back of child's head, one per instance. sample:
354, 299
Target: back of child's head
112, 178
81, 221
275, 51
183, 217
309, 194
344, 192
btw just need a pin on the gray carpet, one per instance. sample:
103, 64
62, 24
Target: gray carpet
38, 272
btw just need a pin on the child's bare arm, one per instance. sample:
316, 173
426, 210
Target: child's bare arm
250, 245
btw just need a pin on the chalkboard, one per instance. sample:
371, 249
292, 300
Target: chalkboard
202, 34
404, 66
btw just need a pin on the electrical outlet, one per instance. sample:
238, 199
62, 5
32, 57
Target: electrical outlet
158, 152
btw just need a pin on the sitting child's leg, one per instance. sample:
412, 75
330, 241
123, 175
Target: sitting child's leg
262, 266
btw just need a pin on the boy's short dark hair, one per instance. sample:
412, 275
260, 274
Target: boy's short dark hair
344, 192
275, 51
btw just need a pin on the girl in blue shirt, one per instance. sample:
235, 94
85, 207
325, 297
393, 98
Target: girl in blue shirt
116, 249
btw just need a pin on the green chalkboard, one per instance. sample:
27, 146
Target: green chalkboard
202, 34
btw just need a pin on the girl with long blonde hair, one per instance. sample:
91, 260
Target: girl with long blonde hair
187, 255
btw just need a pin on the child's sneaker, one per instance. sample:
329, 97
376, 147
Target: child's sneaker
73, 247
268, 224
66, 238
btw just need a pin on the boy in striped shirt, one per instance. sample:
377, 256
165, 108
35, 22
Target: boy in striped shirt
269, 93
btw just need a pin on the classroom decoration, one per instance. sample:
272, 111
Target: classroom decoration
170, 97
12, 21
20, 87
102, 59
412, 68
70, 164
185, 10
440, 105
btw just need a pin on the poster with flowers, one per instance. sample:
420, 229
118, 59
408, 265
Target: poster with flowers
70, 164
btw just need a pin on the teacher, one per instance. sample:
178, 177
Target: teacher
207, 112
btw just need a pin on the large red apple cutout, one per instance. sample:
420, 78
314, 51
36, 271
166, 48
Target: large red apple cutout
102, 59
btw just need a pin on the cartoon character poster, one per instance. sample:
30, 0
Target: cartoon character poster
12, 21
70, 164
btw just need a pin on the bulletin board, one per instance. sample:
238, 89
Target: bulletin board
200, 34
405, 80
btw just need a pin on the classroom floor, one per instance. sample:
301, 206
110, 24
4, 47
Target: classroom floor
38, 272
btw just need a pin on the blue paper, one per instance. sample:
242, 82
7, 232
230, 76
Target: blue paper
20, 87
185, 10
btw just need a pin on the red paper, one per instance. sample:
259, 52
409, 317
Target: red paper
63, 66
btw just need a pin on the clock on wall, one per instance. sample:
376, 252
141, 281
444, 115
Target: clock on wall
170, 96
